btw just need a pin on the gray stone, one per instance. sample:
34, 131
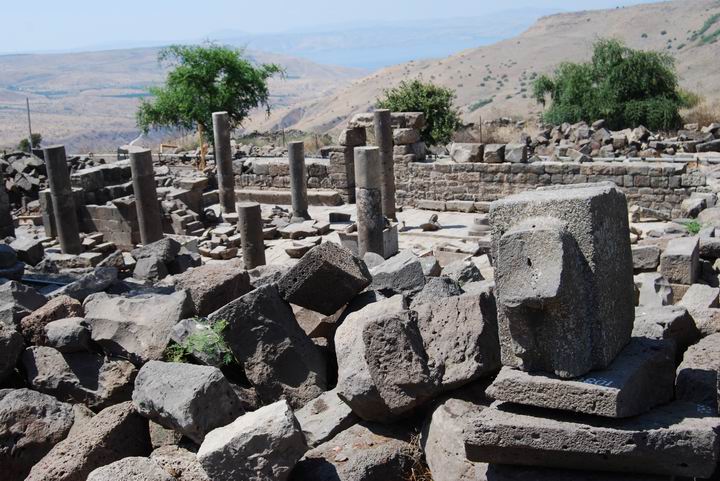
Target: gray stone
80, 377
702, 303
678, 439
263, 445
442, 442
191, 399
645, 257
213, 285
150, 269
17, 301
437, 289
401, 273
680, 261
506, 472
132, 468
13, 273
430, 266
136, 327
466, 152
563, 256
306, 284
279, 359
494, 153
654, 290
92, 282
324, 417
8, 256
182, 464
462, 271
33, 325
405, 136
692, 207
11, 346
516, 153
31, 423
353, 137
666, 322
164, 250
460, 338
697, 375
114, 433
640, 378
68, 335
373, 260
364, 452
29, 251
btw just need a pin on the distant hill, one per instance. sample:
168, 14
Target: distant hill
88, 100
495, 80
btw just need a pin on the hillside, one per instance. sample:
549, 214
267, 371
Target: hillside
88, 100
495, 80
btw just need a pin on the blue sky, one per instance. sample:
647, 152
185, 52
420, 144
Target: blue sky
55, 25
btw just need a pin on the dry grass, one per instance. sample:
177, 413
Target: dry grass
419, 470
703, 114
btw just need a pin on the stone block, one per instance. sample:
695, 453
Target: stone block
666, 322
653, 290
702, 303
466, 152
29, 251
680, 261
645, 257
640, 378
68, 335
698, 374
324, 417
516, 153
132, 468
564, 279
306, 284
678, 439
11, 346
401, 273
353, 137
494, 153
211, 286
405, 136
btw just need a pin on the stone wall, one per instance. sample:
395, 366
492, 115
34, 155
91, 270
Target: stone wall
655, 185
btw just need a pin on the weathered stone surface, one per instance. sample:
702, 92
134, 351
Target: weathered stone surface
8, 256
437, 289
132, 468
29, 251
401, 273
405, 136
697, 375
364, 452
702, 303
97, 281
114, 433
640, 378
17, 301
68, 335
150, 269
442, 442
654, 290
211, 286
165, 250
460, 338
680, 261
135, 327
506, 472
677, 439
563, 255
31, 423
33, 325
11, 346
430, 265
306, 284
462, 272
324, 417
494, 153
180, 463
279, 359
80, 377
666, 322
261, 445
645, 257
191, 399
516, 153
466, 152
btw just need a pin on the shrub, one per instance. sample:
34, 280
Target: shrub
24, 144
441, 117
625, 87
209, 341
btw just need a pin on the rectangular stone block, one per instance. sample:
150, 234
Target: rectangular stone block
698, 374
640, 378
666, 322
680, 262
646, 257
678, 439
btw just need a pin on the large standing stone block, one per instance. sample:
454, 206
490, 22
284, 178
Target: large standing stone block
564, 278
640, 378
146, 200
114, 433
698, 374
679, 439
263, 445
680, 262
279, 359
326, 278
191, 399
223, 161
63, 201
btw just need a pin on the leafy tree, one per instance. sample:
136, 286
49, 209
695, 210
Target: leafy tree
36, 141
625, 87
435, 102
205, 79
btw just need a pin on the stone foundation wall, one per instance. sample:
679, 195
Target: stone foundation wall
660, 186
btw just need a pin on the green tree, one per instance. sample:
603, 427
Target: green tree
205, 79
625, 87
441, 117
36, 141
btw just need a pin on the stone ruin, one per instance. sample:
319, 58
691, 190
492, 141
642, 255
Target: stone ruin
158, 323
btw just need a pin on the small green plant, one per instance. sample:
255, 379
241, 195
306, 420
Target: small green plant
693, 227
207, 340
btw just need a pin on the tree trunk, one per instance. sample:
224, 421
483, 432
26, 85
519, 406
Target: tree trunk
201, 162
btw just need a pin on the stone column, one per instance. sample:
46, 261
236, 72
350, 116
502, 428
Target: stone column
63, 201
368, 198
384, 141
223, 161
298, 181
146, 200
7, 228
250, 225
